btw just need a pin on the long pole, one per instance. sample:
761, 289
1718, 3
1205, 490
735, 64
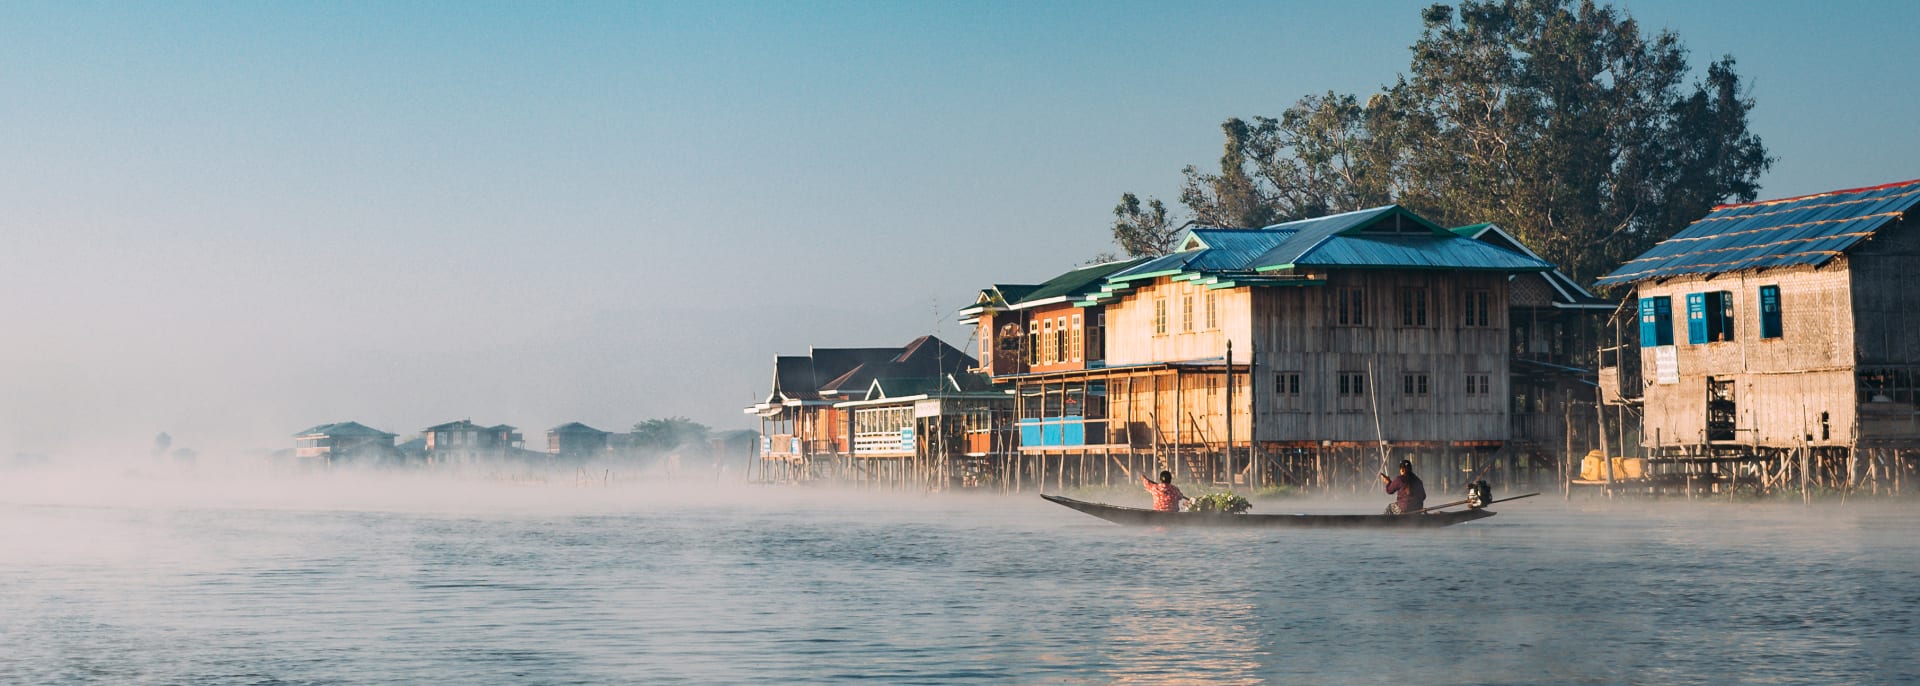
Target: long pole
1230, 469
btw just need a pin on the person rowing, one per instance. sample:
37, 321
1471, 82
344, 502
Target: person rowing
1166, 496
1410, 495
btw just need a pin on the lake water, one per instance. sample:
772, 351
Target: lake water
411, 581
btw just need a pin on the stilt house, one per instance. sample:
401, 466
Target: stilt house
802, 433
1780, 334
1285, 353
577, 442
345, 442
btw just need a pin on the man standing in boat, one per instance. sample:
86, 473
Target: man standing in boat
1410, 495
1166, 496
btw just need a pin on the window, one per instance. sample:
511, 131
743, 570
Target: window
1213, 302
1656, 321
1709, 317
1475, 309
1287, 384
1413, 307
1353, 384
1160, 317
1414, 384
1033, 343
1186, 313
1477, 384
1770, 312
1047, 348
1350, 307
1074, 345
1060, 337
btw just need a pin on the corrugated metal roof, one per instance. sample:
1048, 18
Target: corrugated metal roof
1425, 251
1807, 230
1389, 237
1076, 283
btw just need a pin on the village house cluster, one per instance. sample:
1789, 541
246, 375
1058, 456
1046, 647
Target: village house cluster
455, 443
1307, 353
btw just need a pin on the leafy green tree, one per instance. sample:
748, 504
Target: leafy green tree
1560, 121
1143, 230
669, 433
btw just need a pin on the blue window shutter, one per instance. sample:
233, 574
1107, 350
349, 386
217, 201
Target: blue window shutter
1649, 329
1696, 318
1770, 312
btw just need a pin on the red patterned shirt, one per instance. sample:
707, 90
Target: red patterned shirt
1166, 497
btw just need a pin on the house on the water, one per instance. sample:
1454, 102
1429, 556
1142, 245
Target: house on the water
941, 433
577, 442
464, 442
345, 443
1776, 342
803, 435
1289, 353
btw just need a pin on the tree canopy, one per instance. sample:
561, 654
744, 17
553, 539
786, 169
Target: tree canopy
669, 433
1560, 121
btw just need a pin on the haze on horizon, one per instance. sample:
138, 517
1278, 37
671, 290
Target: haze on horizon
231, 222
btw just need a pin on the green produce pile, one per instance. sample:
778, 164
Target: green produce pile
1220, 502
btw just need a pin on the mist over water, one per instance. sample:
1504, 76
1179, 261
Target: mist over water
118, 576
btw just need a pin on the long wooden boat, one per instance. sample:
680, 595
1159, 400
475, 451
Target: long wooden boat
1135, 516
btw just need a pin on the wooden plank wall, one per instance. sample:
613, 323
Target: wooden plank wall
1296, 332
1293, 329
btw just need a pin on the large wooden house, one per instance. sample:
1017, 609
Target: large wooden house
577, 442
464, 442
1286, 353
1777, 334
803, 435
345, 442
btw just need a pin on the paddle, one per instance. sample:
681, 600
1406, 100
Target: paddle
1463, 502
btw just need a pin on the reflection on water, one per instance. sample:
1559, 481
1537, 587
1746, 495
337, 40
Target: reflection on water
475, 583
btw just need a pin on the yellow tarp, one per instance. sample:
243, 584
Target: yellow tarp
1593, 467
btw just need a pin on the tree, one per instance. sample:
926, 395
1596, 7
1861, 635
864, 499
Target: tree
1143, 231
1559, 121
669, 433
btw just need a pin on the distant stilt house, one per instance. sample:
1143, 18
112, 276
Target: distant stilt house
464, 442
1776, 344
577, 442
938, 434
803, 435
1554, 324
345, 443
1287, 354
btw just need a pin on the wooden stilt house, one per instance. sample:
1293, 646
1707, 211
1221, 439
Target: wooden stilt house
803, 435
1775, 343
1289, 353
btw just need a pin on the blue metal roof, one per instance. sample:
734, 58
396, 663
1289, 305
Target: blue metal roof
1416, 252
1389, 237
1807, 230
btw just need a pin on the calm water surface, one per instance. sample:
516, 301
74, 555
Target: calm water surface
554, 585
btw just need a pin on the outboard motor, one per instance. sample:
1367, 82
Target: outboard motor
1479, 494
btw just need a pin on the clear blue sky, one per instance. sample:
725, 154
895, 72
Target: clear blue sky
231, 221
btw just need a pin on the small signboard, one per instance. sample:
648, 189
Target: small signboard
926, 408
1666, 365
793, 445
906, 438
766, 446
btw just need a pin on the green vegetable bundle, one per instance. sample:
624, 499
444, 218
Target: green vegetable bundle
1220, 502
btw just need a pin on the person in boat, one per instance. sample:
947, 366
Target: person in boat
1410, 495
1166, 496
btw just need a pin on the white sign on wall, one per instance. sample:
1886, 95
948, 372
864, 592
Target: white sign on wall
1666, 365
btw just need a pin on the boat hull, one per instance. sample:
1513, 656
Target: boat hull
1134, 516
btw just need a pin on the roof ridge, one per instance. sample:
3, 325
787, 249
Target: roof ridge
1842, 191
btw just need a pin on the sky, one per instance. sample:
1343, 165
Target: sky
232, 221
